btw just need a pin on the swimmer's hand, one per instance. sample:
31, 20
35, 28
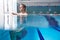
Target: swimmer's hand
14, 13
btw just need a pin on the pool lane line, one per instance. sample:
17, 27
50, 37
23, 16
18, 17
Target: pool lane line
40, 35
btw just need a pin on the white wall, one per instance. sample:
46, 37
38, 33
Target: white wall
40, 2
1, 14
7, 21
10, 20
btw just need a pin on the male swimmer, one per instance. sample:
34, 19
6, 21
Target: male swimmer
19, 33
22, 14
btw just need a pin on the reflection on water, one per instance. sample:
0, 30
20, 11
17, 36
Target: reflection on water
32, 28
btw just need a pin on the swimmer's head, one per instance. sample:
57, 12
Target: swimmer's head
22, 7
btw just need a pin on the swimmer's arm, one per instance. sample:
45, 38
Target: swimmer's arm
15, 14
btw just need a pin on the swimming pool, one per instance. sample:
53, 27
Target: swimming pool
36, 28
46, 30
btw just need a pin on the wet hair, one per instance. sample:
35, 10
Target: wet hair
24, 6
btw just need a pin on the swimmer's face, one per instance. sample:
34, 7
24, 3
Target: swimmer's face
21, 8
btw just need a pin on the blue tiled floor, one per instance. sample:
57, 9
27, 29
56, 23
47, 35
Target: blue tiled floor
50, 34
4, 35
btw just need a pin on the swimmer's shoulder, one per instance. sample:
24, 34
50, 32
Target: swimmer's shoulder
23, 13
26, 13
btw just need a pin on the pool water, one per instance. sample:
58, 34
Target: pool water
36, 28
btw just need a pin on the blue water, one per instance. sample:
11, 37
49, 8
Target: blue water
47, 31
36, 28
